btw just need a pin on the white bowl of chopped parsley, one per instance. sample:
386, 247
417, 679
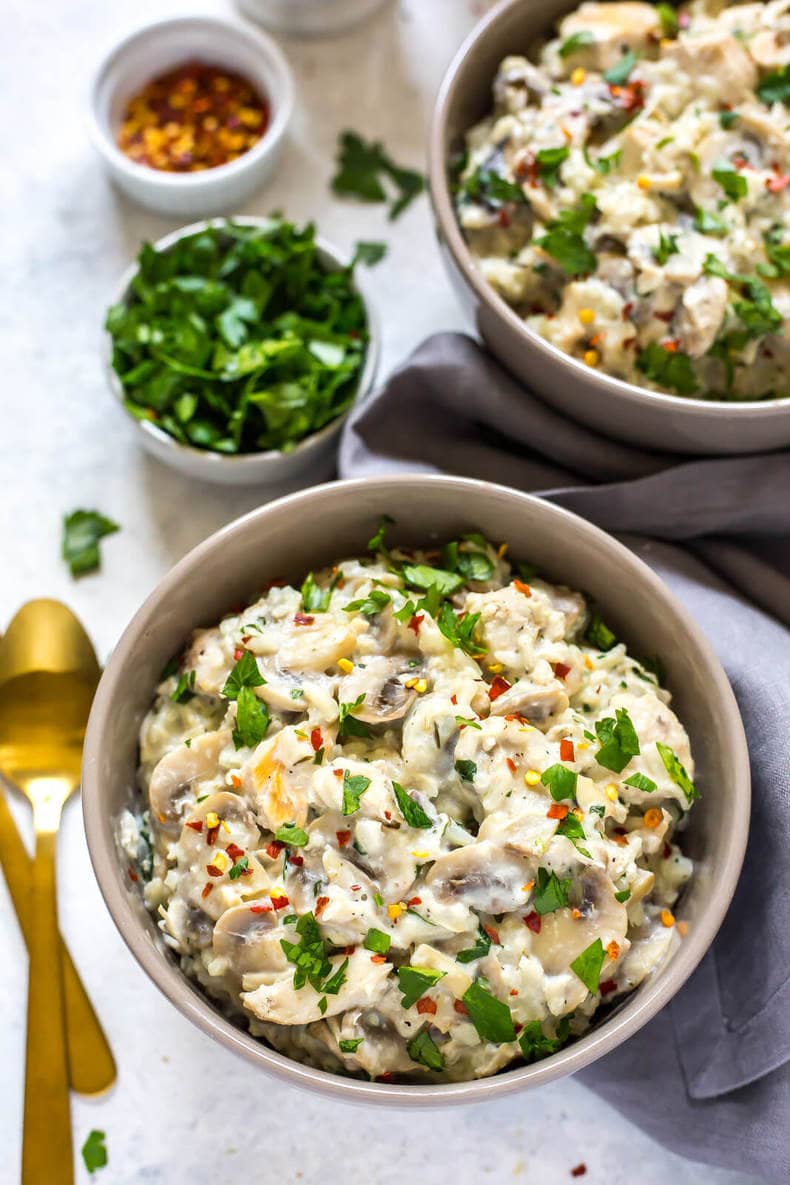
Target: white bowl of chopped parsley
237, 348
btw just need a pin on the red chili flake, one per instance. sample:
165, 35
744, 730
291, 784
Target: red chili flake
504, 219
235, 781
666, 316
212, 870
259, 908
607, 987
206, 890
387, 1075
629, 342
740, 162
378, 958
320, 905
211, 835
196, 825
631, 96
415, 622
281, 902
514, 991
667, 851
533, 922
777, 184
297, 860
274, 848
628, 309
355, 888
557, 810
238, 653
566, 750
348, 950
426, 1005
511, 764
234, 851
523, 588
338, 773
460, 1007
453, 699
414, 901
388, 815
303, 619
272, 584
343, 837
133, 875
493, 935
498, 687
671, 346
580, 1169
316, 739
561, 669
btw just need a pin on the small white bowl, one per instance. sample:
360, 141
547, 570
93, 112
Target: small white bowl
163, 46
313, 458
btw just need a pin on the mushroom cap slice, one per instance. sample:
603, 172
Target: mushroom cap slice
538, 704
171, 789
248, 936
484, 876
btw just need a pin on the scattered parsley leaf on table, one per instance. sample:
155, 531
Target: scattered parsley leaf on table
82, 530
361, 168
94, 1151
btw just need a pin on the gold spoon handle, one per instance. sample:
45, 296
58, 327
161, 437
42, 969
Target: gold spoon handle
91, 1064
46, 1142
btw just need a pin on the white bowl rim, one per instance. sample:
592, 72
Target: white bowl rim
252, 461
199, 1009
449, 227
281, 105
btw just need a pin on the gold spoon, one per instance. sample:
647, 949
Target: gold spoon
48, 674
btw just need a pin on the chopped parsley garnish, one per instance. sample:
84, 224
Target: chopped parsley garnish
588, 965
422, 1049
564, 240
183, 691
424, 577
492, 189
350, 1044
572, 829
291, 835
252, 719
619, 73
549, 161
415, 981
373, 603
354, 786
536, 1045
756, 310
314, 598
481, 948
619, 742
708, 223
677, 771
412, 812
347, 723
551, 892
94, 1151
641, 782
732, 182
560, 781
460, 630
364, 167
466, 722
667, 245
368, 253
604, 164
775, 87
576, 42
728, 118
669, 20
668, 368
377, 941
308, 955
244, 674
623, 895
82, 530
473, 564
376, 542
466, 770
335, 982
778, 252
241, 865
490, 1016
598, 633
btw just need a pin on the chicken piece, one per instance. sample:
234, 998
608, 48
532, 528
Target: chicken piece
702, 311
717, 64
277, 1001
614, 26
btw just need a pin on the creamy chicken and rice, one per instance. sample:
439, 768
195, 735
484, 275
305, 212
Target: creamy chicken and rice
629, 194
416, 820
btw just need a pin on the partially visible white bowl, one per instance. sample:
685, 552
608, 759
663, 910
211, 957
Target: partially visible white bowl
158, 48
312, 459
310, 18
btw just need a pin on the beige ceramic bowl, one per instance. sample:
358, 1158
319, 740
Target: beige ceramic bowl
611, 406
304, 531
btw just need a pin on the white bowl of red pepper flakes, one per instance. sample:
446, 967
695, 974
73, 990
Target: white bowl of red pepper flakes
189, 114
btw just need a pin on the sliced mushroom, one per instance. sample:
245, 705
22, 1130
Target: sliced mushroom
485, 877
382, 1048
381, 680
171, 789
249, 938
188, 924
563, 937
206, 656
528, 699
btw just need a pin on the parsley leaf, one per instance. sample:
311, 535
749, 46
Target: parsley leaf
244, 674
588, 965
376, 542
492, 189
183, 691
668, 368
619, 742
347, 724
572, 829
460, 630
777, 251
335, 982
775, 87
481, 948
308, 955
466, 770
598, 633
535, 1044
669, 20
732, 182
549, 161
363, 166
240, 866
412, 812
82, 530
422, 1049
373, 603
604, 164
677, 771
618, 74
551, 892
252, 719
289, 834
490, 1016
560, 781
377, 941
94, 1151
350, 1044
354, 786
576, 42
641, 782
314, 598
564, 240
623, 895
415, 981
728, 118
424, 577
667, 245
368, 253
708, 223
756, 310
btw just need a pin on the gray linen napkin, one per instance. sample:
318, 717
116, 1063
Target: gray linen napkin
710, 1075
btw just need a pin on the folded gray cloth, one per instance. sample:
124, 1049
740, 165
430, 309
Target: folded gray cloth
710, 1075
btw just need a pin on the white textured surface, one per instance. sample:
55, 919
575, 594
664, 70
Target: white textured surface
184, 1112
